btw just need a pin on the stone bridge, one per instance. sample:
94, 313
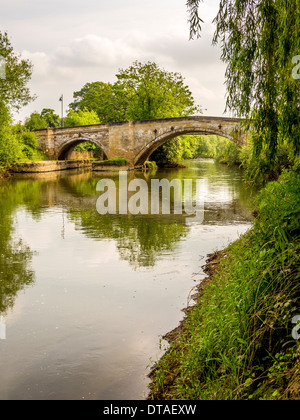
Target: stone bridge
135, 140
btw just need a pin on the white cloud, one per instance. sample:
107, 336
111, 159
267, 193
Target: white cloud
92, 41
41, 62
92, 50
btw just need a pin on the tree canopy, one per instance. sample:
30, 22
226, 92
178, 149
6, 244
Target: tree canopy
81, 117
47, 118
148, 92
14, 91
259, 40
141, 92
95, 96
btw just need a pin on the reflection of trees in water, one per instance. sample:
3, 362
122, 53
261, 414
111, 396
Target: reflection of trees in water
15, 273
139, 240
83, 184
148, 239
15, 256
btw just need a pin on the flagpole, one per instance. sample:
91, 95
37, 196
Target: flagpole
62, 109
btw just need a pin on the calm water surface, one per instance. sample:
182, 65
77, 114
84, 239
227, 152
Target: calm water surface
85, 299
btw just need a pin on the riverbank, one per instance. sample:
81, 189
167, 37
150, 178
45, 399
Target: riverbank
49, 166
62, 165
236, 342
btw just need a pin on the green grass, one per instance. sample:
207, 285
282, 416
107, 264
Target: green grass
113, 162
236, 342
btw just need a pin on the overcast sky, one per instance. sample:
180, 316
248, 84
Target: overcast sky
72, 42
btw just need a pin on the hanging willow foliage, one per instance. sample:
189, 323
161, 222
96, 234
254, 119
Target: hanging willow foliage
194, 19
259, 40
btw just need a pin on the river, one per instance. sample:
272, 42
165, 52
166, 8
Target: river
86, 298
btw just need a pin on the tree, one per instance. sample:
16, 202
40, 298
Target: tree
142, 91
170, 153
147, 92
27, 141
194, 19
35, 122
47, 118
82, 117
10, 148
260, 40
14, 91
52, 120
96, 96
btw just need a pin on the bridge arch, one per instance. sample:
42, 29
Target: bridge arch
149, 148
67, 147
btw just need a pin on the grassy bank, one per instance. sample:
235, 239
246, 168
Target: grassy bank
113, 162
236, 342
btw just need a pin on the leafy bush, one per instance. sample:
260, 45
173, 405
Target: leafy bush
229, 153
10, 148
257, 168
29, 139
151, 165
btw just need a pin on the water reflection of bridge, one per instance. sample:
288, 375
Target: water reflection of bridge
140, 240
78, 192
